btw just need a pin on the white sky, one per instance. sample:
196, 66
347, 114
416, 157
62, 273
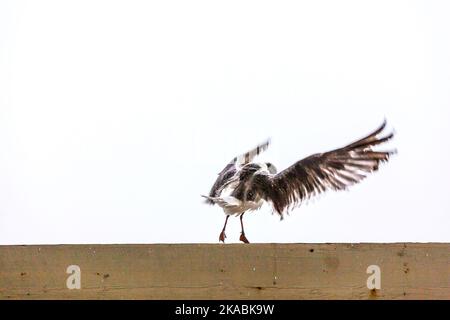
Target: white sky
116, 115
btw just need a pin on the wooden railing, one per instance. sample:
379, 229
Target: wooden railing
231, 271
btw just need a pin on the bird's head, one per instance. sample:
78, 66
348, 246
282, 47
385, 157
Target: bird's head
248, 170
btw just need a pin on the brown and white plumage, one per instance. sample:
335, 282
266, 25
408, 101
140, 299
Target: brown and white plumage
332, 170
246, 186
227, 175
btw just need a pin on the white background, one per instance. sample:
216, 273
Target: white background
116, 115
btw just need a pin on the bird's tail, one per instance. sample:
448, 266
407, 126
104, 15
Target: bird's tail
227, 202
208, 200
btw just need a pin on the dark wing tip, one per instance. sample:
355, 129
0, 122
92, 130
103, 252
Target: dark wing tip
392, 152
381, 127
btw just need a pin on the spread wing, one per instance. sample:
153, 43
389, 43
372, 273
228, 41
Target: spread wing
333, 170
226, 175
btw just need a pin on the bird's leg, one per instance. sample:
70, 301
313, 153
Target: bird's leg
242, 237
222, 234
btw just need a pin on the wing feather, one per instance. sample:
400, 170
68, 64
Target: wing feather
333, 170
226, 175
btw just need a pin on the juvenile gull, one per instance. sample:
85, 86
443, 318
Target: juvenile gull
244, 185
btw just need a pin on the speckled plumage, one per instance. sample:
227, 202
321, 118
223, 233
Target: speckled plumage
244, 185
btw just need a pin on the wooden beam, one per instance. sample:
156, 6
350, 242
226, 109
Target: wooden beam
231, 271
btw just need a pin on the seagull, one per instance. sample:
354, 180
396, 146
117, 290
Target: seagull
244, 185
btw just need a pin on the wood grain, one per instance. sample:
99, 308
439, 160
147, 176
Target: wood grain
231, 271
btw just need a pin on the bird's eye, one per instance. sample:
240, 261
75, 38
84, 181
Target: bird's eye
250, 195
